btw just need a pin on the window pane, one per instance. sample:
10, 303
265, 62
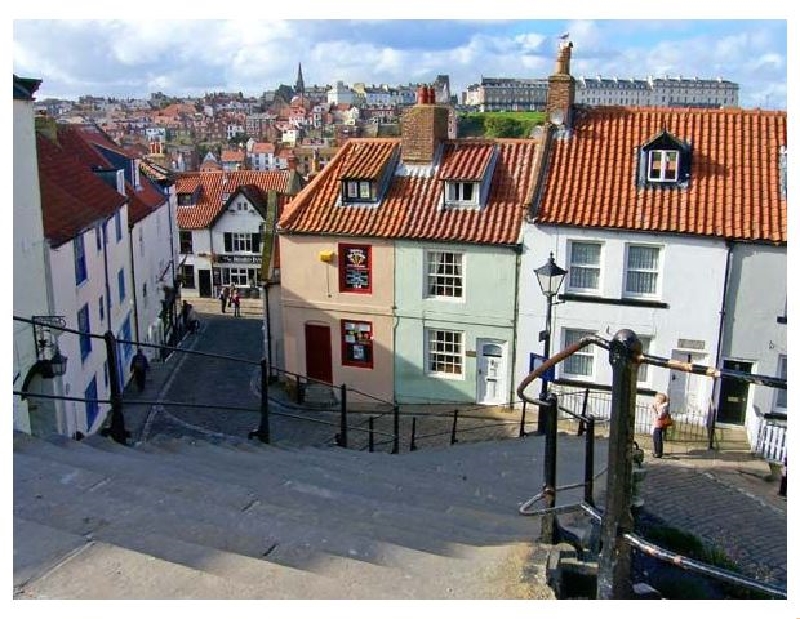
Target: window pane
780, 400
642, 257
641, 376
586, 253
580, 363
466, 191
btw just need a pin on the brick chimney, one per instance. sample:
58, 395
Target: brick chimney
561, 87
423, 126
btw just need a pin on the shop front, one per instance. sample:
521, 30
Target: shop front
241, 271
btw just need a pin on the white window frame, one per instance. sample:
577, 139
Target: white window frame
431, 334
781, 373
454, 193
588, 352
242, 241
661, 177
659, 271
432, 264
574, 265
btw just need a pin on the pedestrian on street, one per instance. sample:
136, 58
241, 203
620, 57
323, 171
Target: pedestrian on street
659, 412
236, 302
192, 322
139, 367
185, 315
223, 297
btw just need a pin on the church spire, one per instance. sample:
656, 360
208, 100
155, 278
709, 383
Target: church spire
299, 87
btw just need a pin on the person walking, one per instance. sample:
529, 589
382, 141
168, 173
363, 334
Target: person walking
139, 367
223, 297
236, 301
185, 315
659, 412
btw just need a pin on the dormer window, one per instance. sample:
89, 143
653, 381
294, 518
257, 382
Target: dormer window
359, 191
461, 193
663, 166
664, 162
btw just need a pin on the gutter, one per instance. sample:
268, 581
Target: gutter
718, 360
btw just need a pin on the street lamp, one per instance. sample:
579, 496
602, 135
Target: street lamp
550, 277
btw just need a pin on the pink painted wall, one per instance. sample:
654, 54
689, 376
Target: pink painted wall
310, 293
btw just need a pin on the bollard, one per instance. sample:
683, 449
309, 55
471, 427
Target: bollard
549, 524
262, 432
588, 489
614, 565
396, 446
522, 433
413, 445
343, 424
298, 395
371, 437
453, 440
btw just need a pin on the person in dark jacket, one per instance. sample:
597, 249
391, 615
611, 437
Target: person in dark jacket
223, 297
139, 367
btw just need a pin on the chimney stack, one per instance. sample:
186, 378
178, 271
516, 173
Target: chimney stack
561, 88
423, 126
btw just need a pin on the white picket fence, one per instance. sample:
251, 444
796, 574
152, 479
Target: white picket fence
771, 442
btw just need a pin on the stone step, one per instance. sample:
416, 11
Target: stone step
348, 506
110, 518
295, 466
38, 548
106, 506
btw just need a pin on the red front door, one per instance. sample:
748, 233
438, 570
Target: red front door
319, 359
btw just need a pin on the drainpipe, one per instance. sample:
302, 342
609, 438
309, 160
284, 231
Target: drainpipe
172, 259
133, 285
720, 333
211, 262
517, 266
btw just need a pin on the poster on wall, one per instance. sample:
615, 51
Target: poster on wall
357, 343
356, 264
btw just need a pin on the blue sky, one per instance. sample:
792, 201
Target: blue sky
180, 57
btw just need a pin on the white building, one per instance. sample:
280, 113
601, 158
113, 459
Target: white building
341, 93
30, 251
657, 92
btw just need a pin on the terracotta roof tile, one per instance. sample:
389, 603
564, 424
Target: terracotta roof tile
73, 197
410, 208
465, 161
734, 185
367, 160
263, 147
210, 203
232, 155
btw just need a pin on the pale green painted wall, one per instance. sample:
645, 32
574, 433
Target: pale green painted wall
486, 311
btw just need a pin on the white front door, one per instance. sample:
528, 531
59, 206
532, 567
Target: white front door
491, 371
687, 392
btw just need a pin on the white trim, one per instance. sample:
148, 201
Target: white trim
659, 271
595, 291
427, 351
426, 273
563, 367
661, 178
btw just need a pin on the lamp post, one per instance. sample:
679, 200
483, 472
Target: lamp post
550, 277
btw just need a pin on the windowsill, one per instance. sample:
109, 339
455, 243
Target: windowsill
623, 301
446, 299
445, 376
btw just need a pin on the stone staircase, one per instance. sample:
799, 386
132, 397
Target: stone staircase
179, 519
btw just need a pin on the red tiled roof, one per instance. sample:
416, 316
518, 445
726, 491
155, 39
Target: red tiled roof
734, 184
232, 155
73, 197
263, 147
210, 204
143, 202
410, 208
367, 159
465, 161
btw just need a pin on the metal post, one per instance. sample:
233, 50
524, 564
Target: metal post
343, 425
396, 446
117, 430
522, 420
371, 437
614, 566
413, 445
262, 433
455, 425
582, 424
588, 490
298, 394
542, 419
549, 529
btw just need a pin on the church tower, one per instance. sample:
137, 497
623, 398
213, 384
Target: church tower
299, 87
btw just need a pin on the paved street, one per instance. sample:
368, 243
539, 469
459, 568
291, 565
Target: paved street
721, 497
223, 384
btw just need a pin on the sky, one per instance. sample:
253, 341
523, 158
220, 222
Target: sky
122, 58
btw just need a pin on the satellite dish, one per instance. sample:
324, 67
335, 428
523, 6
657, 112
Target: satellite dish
557, 117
